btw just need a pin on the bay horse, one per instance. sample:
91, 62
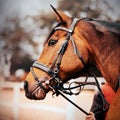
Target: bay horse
71, 46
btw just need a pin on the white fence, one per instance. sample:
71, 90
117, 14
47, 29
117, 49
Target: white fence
69, 112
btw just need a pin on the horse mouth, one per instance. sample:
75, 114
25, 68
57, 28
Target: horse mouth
37, 93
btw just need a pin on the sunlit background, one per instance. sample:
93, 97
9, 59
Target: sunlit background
24, 26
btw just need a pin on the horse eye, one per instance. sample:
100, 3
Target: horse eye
52, 42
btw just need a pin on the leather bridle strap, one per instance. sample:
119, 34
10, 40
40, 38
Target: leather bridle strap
44, 68
76, 51
71, 29
59, 92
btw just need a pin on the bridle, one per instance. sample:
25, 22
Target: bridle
53, 71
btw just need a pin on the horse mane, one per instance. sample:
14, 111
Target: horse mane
112, 26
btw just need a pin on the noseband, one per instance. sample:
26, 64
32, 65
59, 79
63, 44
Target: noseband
53, 71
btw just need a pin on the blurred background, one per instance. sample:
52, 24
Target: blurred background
24, 26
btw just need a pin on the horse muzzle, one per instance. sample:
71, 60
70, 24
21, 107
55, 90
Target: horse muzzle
37, 91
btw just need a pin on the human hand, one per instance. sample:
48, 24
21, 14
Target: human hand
91, 116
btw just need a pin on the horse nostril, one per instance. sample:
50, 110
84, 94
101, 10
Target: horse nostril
26, 85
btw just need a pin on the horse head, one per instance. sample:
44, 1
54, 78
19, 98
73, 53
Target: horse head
64, 56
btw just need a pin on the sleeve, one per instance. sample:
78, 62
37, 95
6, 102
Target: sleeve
97, 107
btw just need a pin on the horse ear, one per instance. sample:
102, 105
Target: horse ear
65, 17
61, 16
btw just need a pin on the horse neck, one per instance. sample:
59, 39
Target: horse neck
105, 51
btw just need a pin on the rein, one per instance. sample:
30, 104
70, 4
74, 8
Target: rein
53, 71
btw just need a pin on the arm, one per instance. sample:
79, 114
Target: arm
90, 116
97, 107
